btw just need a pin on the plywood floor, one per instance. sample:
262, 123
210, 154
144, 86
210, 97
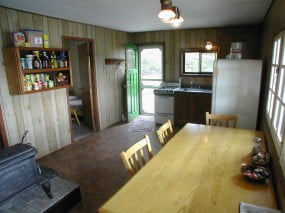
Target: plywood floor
94, 163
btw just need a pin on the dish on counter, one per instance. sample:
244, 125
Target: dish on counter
260, 159
255, 173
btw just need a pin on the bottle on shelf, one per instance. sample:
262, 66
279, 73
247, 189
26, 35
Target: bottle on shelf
36, 61
65, 62
46, 62
58, 60
61, 61
62, 57
53, 60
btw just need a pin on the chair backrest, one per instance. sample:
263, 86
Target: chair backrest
221, 120
165, 132
134, 158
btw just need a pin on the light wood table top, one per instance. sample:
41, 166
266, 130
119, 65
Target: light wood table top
197, 171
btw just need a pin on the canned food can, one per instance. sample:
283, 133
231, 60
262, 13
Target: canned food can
23, 63
32, 78
50, 83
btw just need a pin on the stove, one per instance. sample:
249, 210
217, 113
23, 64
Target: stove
164, 104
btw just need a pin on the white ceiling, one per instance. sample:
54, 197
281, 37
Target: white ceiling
141, 15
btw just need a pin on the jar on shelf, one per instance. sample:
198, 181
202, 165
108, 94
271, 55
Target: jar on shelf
28, 83
35, 86
29, 62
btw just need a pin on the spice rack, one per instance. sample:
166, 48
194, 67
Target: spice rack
25, 78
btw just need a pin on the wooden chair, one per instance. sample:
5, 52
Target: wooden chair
165, 132
74, 113
134, 158
221, 120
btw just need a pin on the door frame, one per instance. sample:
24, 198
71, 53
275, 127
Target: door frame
140, 46
94, 90
3, 134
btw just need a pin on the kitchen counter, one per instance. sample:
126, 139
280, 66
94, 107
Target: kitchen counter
193, 90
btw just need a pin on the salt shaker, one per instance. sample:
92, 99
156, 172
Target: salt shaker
257, 147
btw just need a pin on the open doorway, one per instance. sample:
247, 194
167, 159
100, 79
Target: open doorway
151, 75
82, 97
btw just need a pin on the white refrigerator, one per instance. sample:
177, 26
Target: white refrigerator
236, 88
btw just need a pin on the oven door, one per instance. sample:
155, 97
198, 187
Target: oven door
164, 104
164, 109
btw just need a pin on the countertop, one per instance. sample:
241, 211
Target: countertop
193, 90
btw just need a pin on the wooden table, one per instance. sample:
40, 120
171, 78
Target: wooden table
198, 171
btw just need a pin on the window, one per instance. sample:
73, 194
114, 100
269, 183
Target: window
275, 109
198, 62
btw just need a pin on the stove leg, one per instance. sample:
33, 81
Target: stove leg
46, 188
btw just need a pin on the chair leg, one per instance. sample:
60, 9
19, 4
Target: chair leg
76, 117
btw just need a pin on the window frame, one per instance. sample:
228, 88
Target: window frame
274, 106
151, 46
200, 51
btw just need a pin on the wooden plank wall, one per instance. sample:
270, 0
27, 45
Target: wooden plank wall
176, 40
273, 24
45, 114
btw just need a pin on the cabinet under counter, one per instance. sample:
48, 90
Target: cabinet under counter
191, 106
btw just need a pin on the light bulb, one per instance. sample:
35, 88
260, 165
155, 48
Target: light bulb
176, 20
209, 45
166, 14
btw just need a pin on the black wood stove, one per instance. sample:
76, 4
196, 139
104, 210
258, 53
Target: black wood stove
19, 170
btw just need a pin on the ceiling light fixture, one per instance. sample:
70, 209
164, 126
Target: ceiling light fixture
178, 19
170, 14
166, 11
209, 45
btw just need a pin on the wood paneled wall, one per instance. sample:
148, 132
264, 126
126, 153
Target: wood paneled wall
45, 114
176, 40
274, 23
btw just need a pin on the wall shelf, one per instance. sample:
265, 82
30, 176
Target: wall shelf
26, 81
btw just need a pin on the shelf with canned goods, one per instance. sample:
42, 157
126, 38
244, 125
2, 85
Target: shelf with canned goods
31, 69
43, 81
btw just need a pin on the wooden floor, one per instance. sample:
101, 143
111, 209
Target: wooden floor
94, 163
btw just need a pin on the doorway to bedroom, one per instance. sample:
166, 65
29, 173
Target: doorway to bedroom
82, 97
